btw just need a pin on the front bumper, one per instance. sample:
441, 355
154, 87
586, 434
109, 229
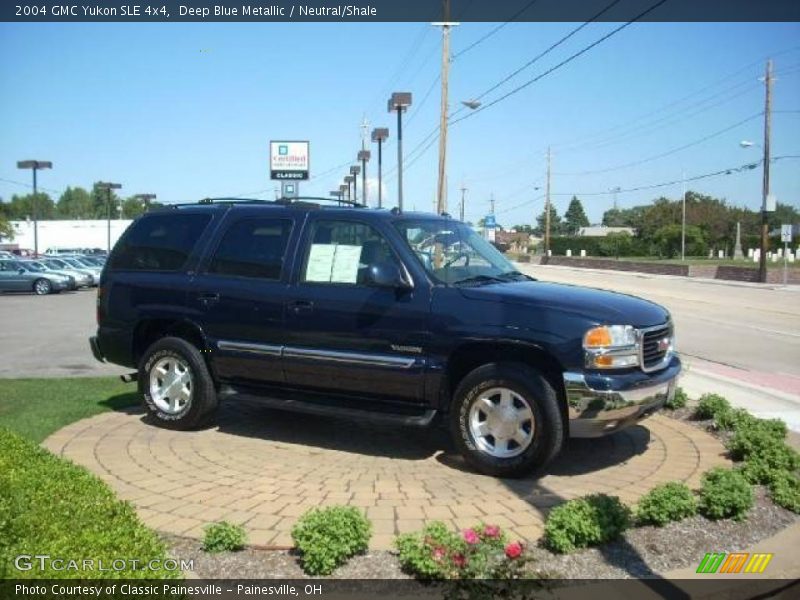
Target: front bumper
600, 404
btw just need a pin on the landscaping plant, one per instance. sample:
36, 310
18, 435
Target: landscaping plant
758, 436
725, 493
710, 405
224, 537
733, 419
667, 502
50, 506
480, 552
679, 400
586, 521
327, 537
785, 491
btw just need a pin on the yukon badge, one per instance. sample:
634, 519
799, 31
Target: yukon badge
413, 349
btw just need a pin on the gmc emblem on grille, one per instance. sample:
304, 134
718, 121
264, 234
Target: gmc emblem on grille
663, 344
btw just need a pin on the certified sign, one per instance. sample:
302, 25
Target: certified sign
288, 160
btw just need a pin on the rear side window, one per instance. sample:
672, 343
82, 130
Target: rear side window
253, 248
159, 242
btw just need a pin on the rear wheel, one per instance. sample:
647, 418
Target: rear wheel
505, 419
42, 287
175, 383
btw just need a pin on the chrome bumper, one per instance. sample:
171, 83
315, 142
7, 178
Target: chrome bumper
600, 404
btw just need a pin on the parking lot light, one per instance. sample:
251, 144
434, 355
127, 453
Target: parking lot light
145, 198
35, 165
399, 101
379, 134
108, 186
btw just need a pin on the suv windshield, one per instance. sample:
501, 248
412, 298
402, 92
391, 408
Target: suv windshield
454, 254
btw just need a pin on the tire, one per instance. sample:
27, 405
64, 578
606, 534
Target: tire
524, 405
42, 287
191, 398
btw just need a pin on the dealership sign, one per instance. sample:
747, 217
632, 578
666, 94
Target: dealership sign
288, 160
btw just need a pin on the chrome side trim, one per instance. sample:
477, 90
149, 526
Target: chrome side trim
356, 358
252, 348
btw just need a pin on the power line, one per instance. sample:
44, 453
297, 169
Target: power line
561, 64
485, 37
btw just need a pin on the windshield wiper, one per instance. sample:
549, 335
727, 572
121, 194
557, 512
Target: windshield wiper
480, 279
515, 275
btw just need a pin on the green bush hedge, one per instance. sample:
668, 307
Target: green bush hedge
679, 400
710, 405
587, 521
327, 537
50, 506
785, 491
755, 439
725, 493
224, 537
667, 502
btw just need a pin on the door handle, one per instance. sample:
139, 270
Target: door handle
301, 307
208, 299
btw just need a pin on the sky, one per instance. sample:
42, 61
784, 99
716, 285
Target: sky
187, 111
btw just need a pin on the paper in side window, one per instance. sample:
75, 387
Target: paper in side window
345, 264
320, 263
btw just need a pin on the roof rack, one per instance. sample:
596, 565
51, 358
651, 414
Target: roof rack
298, 201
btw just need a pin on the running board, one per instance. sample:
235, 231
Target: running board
420, 419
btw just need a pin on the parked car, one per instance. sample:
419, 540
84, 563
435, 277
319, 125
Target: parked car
407, 318
39, 267
82, 277
16, 276
82, 264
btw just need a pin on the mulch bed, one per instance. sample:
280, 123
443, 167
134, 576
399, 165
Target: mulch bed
641, 552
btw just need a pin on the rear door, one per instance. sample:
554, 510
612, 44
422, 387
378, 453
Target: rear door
10, 278
240, 291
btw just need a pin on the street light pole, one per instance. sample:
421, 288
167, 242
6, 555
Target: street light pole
463, 194
441, 191
378, 135
364, 156
354, 171
547, 208
762, 258
107, 186
399, 101
683, 217
145, 198
35, 165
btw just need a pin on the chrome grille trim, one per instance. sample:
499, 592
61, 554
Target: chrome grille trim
651, 358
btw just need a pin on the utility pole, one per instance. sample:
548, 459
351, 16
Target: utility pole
762, 259
547, 208
441, 193
683, 218
491, 203
463, 194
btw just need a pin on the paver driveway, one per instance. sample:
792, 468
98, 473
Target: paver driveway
265, 468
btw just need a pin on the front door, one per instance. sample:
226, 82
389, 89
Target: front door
345, 334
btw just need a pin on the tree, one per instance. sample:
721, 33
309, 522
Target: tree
132, 207
6, 231
21, 207
668, 239
555, 222
523, 228
99, 201
75, 203
575, 217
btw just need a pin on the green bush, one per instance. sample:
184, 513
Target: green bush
224, 537
756, 438
585, 521
327, 537
725, 493
733, 419
48, 505
480, 552
667, 502
765, 464
710, 405
679, 400
785, 491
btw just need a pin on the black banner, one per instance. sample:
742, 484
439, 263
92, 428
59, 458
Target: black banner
369, 11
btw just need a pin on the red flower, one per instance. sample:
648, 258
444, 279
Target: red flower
438, 553
513, 550
459, 560
492, 531
470, 536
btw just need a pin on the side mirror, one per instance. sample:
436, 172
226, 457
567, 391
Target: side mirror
388, 275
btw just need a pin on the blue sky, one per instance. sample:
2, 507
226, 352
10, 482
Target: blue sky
187, 110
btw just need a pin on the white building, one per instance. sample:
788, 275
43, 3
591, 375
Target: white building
68, 234
603, 231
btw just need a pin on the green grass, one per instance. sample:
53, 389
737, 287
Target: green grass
35, 408
49, 505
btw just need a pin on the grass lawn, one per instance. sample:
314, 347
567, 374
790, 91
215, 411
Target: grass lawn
35, 408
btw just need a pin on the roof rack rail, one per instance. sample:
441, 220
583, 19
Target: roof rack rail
298, 201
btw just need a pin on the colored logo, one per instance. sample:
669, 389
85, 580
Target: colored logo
736, 562
283, 150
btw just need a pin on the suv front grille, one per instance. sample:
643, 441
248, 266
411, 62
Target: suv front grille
655, 346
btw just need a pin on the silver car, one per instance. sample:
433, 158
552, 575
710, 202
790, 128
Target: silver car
80, 264
39, 267
15, 276
82, 278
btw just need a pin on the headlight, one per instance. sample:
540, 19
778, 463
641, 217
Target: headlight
611, 347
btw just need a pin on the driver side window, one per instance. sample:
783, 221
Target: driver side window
341, 252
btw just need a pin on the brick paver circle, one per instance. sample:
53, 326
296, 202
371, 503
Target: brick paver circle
264, 468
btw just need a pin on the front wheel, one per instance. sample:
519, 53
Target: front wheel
505, 420
42, 287
175, 383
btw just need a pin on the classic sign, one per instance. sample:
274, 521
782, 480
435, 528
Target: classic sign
288, 160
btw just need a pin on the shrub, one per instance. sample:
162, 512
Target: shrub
770, 461
480, 552
756, 438
710, 405
585, 521
679, 400
327, 537
51, 506
725, 493
785, 491
733, 420
667, 502
224, 536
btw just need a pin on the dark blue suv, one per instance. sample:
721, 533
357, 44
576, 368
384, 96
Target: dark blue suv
408, 318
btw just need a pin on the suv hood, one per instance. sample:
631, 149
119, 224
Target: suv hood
600, 306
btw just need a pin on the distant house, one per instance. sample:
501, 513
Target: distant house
512, 241
603, 231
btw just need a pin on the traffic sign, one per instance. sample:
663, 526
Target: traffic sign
786, 233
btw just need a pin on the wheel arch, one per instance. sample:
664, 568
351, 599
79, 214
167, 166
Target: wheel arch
148, 331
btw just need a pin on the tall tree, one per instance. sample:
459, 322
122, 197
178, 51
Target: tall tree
575, 217
75, 203
6, 231
21, 207
100, 200
556, 226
